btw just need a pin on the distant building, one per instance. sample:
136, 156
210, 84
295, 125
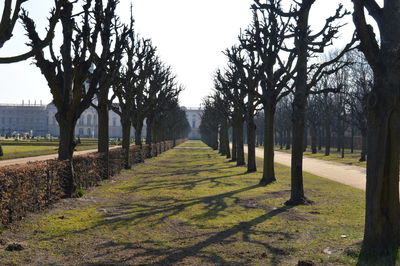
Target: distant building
193, 116
40, 120
16, 119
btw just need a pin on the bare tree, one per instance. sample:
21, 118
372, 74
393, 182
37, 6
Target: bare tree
307, 76
382, 228
10, 15
267, 37
137, 51
68, 74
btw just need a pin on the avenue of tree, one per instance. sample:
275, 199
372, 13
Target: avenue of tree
102, 62
281, 84
287, 85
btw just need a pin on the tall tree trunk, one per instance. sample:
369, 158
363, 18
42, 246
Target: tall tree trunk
103, 142
223, 139
297, 188
299, 112
320, 138
240, 143
327, 138
226, 139
138, 132
126, 141
149, 132
364, 144
288, 139
67, 143
251, 143
221, 146
313, 140
234, 142
352, 140
269, 170
382, 227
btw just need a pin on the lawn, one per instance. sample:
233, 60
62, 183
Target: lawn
189, 206
349, 158
22, 151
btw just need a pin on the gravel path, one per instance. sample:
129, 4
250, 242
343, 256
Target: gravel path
346, 174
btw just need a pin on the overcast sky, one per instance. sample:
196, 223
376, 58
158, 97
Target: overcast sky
190, 36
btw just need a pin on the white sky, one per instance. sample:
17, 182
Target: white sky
190, 36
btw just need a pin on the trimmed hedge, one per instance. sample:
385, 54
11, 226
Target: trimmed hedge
34, 186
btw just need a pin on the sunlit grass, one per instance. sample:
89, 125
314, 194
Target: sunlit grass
191, 206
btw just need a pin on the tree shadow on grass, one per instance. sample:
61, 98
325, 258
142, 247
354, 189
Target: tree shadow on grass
170, 255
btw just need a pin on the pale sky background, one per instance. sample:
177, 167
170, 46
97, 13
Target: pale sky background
190, 36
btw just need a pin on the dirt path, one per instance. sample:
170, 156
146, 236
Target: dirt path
43, 157
346, 174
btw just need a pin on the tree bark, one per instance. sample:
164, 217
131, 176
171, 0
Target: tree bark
138, 132
313, 140
234, 142
363, 146
251, 143
149, 132
67, 143
103, 134
382, 227
226, 138
126, 141
240, 143
269, 170
288, 139
327, 138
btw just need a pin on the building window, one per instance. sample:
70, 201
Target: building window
80, 132
89, 132
194, 124
114, 122
89, 120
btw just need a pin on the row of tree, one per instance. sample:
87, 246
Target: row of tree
100, 56
281, 68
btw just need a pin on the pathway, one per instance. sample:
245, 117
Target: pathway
346, 174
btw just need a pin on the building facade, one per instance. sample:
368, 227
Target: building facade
193, 115
39, 120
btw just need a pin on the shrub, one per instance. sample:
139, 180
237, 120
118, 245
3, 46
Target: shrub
34, 186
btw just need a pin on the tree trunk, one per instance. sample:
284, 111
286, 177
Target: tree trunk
103, 134
363, 146
67, 143
234, 142
251, 143
239, 143
327, 138
299, 112
149, 132
313, 140
297, 189
382, 227
320, 138
138, 132
269, 170
352, 140
126, 141
288, 139
226, 139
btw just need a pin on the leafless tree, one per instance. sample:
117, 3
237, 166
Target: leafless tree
382, 229
11, 13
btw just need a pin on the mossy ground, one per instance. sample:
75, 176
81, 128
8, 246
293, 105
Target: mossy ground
190, 206
335, 156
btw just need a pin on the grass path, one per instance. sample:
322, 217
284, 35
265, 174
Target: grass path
190, 206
